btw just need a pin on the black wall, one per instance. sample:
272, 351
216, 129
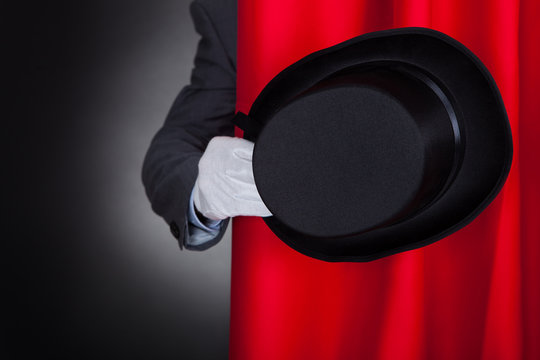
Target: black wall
91, 271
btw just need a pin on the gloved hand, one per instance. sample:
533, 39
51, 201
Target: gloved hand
225, 186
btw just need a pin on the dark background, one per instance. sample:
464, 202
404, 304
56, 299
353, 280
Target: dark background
91, 271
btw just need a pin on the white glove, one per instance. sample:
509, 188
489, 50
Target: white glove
225, 186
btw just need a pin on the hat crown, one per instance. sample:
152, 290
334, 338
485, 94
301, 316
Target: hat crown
376, 140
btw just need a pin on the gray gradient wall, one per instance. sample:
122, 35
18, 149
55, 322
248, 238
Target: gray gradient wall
92, 272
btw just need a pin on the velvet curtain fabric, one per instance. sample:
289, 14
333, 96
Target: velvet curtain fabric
472, 295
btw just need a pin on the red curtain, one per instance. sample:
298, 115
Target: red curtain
472, 295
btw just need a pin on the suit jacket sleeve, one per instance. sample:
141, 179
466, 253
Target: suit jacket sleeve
203, 109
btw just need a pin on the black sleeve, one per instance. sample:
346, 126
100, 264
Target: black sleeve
203, 109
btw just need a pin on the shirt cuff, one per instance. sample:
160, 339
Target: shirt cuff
208, 225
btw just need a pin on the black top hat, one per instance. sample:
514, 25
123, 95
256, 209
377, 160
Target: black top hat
383, 143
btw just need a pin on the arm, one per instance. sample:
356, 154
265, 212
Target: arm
202, 110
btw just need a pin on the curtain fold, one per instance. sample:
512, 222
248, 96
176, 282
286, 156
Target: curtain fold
472, 295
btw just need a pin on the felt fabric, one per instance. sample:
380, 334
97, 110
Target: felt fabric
353, 174
472, 295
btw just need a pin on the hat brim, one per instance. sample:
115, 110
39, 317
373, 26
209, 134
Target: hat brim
478, 105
